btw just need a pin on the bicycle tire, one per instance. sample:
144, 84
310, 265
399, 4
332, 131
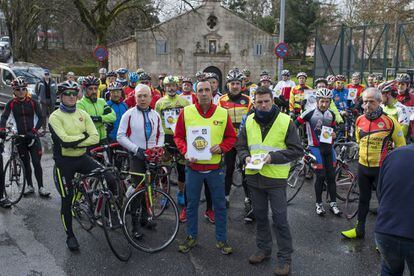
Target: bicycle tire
343, 179
82, 213
295, 181
113, 229
132, 211
14, 179
237, 178
162, 184
352, 201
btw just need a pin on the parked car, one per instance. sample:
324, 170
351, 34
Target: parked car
9, 72
31, 68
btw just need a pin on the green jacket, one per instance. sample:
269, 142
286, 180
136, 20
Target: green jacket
98, 109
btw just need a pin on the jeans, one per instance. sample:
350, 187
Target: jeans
215, 182
278, 204
394, 251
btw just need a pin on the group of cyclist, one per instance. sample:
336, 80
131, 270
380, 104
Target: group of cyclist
125, 107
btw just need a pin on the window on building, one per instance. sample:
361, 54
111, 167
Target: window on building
161, 48
212, 46
211, 22
258, 49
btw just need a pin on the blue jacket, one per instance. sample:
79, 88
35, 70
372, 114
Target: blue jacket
395, 192
340, 98
120, 109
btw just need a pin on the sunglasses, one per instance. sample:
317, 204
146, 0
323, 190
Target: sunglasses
70, 93
20, 89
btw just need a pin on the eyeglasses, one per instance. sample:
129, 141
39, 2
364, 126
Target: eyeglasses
70, 93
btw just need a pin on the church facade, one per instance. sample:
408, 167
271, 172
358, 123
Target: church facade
209, 38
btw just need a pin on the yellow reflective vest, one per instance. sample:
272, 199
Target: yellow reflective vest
274, 141
217, 124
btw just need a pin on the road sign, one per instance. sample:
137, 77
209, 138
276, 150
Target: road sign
100, 53
281, 50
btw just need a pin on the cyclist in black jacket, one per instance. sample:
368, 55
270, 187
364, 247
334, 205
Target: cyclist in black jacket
28, 119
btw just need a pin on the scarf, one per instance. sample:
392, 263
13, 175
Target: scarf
67, 108
374, 115
265, 117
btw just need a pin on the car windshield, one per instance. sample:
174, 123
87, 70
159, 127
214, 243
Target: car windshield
30, 78
4, 39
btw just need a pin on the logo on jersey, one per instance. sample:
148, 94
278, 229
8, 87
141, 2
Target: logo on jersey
216, 123
243, 102
381, 125
80, 119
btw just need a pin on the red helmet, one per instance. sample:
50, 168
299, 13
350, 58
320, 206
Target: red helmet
19, 82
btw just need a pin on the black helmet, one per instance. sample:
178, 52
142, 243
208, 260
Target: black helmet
379, 78
89, 81
246, 72
234, 75
144, 76
211, 75
264, 73
111, 74
286, 73
67, 85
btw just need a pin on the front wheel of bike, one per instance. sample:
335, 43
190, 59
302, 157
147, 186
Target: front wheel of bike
343, 179
144, 230
14, 179
352, 200
295, 181
113, 229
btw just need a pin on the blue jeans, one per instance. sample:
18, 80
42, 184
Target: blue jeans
394, 252
215, 182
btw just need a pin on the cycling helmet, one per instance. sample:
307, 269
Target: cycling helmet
180, 78
263, 73
144, 76
170, 80
234, 75
331, 79
90, 80
265, 78
378, 78
340, 78
356, 75
318, 80
133, 77
80, 80
111, 74
122, 71
188, 80
404, 78
211, 75
246, 72
324, 93
67, 85
102, 71
115, 86
302, 74
140, 71
388, 86
199, 74
286, 73
19, 82
162, 76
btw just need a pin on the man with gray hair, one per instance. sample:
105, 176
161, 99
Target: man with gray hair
376, 134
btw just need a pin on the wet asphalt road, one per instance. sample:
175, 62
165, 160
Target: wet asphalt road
32, 242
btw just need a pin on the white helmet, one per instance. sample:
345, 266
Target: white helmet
324, 93
102, 71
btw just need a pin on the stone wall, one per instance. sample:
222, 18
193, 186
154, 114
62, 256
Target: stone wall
123, 54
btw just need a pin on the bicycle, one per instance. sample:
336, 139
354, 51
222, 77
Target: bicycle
94, 204
147, 204
14, 171
344, 177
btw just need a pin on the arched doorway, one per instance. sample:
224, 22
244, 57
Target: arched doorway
213, 69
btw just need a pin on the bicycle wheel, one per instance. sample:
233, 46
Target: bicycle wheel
295, 181
162, 183
352, 200
113, 229
343, 179
157, 231
81, 210
14, 179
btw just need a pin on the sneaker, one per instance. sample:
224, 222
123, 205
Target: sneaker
147, 223
282, 269
224, 247
183, 215
28, 190
43, 192
258, 257
354, 233
187, 245
136, 233
5, 203
180, 198
209, 215
72, 243
334, 209
248, 212
320, 211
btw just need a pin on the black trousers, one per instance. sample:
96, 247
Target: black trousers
367, 179
326, 173
33, 154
